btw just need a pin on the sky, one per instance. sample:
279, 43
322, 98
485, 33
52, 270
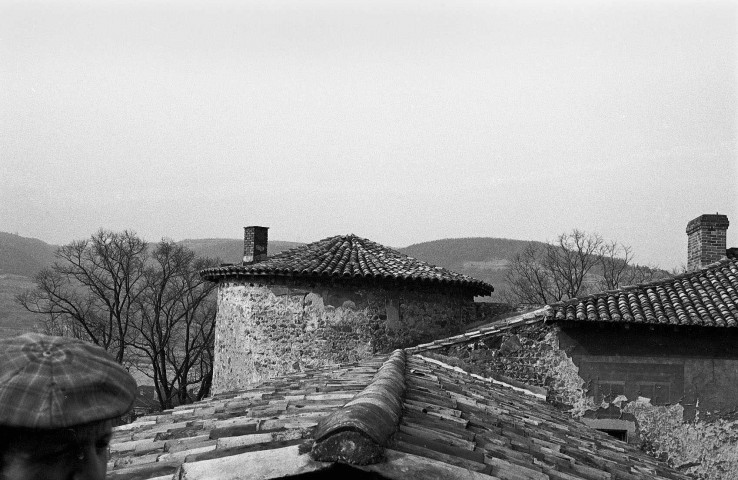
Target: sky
398, 121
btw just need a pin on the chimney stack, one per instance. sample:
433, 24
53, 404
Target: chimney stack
706, 240
255, 244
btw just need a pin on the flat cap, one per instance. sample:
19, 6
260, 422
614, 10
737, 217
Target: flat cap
58, 382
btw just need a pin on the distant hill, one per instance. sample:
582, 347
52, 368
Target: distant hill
230, 250
483, 258
15, 319
20, 259
486, 259
22, 255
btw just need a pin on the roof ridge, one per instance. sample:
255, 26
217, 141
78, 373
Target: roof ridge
357, 432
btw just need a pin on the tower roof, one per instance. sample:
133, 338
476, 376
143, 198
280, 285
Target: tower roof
349, 257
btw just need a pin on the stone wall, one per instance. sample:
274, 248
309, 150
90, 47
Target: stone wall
263, 331
529, 354
694, 430
585, 367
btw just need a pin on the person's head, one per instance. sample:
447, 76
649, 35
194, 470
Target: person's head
58, 400
79, 452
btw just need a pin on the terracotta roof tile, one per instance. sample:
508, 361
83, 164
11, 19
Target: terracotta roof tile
496, 430
706, 297
349, 256
408, 417
274, 414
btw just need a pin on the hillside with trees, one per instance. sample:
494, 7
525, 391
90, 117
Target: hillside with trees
487, 259
574, 264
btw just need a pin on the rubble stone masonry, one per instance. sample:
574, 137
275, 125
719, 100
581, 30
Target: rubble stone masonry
263, 331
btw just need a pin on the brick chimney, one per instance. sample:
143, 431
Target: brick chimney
706, 240
255, 244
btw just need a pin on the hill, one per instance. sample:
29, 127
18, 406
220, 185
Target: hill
483, 258
486, 259
230, 250
20, 259
15, 319
22, 255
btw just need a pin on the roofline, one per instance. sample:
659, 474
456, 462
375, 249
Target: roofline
215, 274
638, 286
240, 272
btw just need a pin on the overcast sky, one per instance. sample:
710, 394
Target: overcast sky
399, 121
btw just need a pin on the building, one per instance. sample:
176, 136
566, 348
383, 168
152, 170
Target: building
670, 341
675, 338
340, 299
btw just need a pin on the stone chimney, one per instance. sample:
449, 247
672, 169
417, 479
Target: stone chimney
255, 244
706, 240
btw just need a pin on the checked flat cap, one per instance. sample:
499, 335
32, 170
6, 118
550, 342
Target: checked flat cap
57, 382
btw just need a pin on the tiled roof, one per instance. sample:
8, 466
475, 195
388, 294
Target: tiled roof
706, 297
402, 416
348, 257
275, 414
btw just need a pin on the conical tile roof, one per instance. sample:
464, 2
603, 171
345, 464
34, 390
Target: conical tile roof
349, 257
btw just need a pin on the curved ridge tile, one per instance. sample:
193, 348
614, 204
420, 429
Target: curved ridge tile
357, 432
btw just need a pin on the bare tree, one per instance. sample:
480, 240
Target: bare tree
618, 269
93, 288
529, 280
570, 259
555, 271
176, 327
136, 302
615, 260
565, 268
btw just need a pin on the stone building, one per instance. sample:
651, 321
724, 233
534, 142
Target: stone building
671, 340
340, 299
